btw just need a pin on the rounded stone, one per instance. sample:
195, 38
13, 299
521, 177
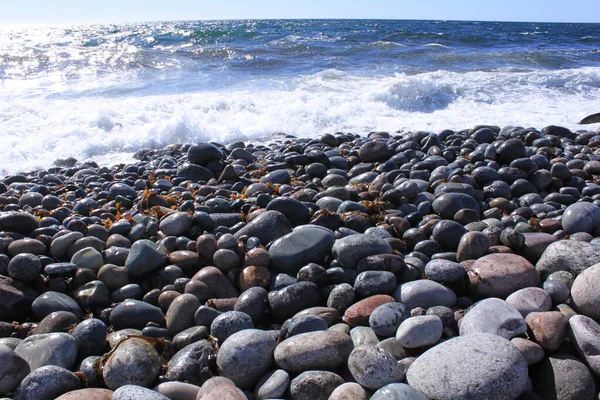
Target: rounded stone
369, 283
386, 318
478, 366
419, 331
90, 335
228, 323
562, 376
373, 367
47, 383
528, 300
314, 350
134, 362
501, 274
24, 267
50, 302
360, 312
144, 256
533, 352
309, 244
398, 391
351, 249
568, 255
314, 385
13, 369
585, 292
445, 271
135, 314
472, 245
494, 316
424, 293
246, 356
584, 333
192, 363
136, 392
549, 328
180, 314
273, 385
449, 204
581, 217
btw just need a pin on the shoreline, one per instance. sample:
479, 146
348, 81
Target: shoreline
343, 265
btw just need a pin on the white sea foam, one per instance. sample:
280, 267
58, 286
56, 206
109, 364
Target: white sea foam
38, 126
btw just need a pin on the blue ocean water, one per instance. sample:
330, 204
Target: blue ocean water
107, 90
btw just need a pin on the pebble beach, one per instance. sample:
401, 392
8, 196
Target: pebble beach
461, 264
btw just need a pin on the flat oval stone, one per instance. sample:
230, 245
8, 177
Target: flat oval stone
585, 292
60, 246
246, 356
374, 367
493, 316
87, 394
273, 385
20, 222
499, 275
419, 331
449, 204
50, 302
349, 391
386, 318
424, 293
176, 224
90, 335
177, 390
444, 271
310, 244
47, 382
268, 226
135, 314
313, 350
478, 366
351, 249
370, 283
134, 362
286, 302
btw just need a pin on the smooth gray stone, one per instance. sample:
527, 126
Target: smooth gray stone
57, 348
90, 335
303, 324
13, 369
246, 356
134, 362
493, 316
351, 249
398, 391
480, 366
228, 323
530, 299
253, 302
24, 267
285, 303
135, 314
568, 255
180, 314
117, 336
50, 302
47, 383
88, 258
581, 217
192, 363
424, 293
20, 222
93, 295
313, 351
373, 367
304, 245
294, 210
341, 297
386, 318
445, 271
314, 385
189, 336
60, 246
268, 226
533, 352
449, 204
584, 333
362, 335
273, 385
585, 292
121, 189
563, 376
176, 224
144, 256
369, 283
134, 392
349, 391
419, 331
58, 321
178, 390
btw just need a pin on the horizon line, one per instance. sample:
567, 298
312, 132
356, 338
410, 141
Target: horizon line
8, 24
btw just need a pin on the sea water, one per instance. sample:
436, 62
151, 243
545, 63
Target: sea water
104, 91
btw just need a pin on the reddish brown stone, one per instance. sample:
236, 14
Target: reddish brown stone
499, 249
499, 275
254, 276
217, 282
359, 313
184, 259
222, 304
549, 328
550, 225
166, 298
257, 257
26, 245
87, 394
